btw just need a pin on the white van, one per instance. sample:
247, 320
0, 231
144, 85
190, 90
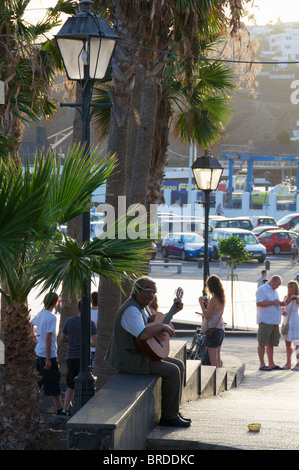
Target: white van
253, 246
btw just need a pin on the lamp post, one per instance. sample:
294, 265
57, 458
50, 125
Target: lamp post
207, 173
86, 43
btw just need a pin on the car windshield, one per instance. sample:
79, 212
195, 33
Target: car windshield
192, 238
266, 235
248, 238
285, 219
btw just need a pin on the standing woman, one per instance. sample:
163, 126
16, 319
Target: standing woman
290, 315
212, 310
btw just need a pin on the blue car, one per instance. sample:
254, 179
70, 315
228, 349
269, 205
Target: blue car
184, 245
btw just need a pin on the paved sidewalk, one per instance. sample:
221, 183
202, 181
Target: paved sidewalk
269, 398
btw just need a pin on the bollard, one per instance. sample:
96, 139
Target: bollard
267, 265
199, 263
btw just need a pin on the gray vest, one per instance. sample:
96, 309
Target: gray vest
123, 353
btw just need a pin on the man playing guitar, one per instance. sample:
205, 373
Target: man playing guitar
132, 322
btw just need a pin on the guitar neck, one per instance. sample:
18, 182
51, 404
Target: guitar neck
170, 314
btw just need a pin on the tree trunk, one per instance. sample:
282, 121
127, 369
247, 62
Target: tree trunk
144, 143
19, 392
159, 155
123, 81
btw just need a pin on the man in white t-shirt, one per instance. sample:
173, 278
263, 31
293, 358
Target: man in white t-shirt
268, 319
46, 349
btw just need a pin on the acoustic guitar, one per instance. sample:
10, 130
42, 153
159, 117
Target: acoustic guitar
157, 347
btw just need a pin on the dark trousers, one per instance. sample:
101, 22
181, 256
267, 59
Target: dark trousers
172, 373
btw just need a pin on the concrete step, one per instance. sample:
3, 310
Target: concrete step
213, 382
208, 381
191, 389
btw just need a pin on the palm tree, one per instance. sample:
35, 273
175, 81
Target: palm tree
34, 252
28, 62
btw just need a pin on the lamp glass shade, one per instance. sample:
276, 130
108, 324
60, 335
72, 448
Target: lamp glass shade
100, 53
94, 52
207, 173
71, 53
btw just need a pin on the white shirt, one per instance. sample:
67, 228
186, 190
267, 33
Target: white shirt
132, 321
94, 318
272, 314
45, 322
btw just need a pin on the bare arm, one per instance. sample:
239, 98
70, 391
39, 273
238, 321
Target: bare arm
93, 341
154, 330
48, 351
63, 338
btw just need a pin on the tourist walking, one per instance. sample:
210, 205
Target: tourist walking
44, 330
290, 317
268, 319
71, 334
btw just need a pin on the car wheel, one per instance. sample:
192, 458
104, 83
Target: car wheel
261, 260
276, 250
164, 252
183, 255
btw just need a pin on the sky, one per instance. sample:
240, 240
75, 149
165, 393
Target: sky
264, 10
270, 10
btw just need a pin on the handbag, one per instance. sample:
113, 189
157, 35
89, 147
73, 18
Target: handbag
285, 327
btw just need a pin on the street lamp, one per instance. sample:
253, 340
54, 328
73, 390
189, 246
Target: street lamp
86, 43
207, 173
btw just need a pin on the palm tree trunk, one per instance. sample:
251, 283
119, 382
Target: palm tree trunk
120, 139
159, 154
144, 143
19, 408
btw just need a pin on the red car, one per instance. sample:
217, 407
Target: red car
288, 221
277, 241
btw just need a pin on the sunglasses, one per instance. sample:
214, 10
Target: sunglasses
148, 289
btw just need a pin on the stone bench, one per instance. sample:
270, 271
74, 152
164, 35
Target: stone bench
119, 416
122, 413
178, 266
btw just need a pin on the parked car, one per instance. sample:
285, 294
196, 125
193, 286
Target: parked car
258, 220
262, 228
253, 246
288, 221
296, 229
232, 222
277, 241
184, 245
181, 224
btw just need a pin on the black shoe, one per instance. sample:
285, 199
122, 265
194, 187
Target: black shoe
175, 422
185, 419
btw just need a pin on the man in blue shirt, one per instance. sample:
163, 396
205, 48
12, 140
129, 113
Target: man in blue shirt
71, 334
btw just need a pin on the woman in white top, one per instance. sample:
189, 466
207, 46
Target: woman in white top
290, 314
212, 310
